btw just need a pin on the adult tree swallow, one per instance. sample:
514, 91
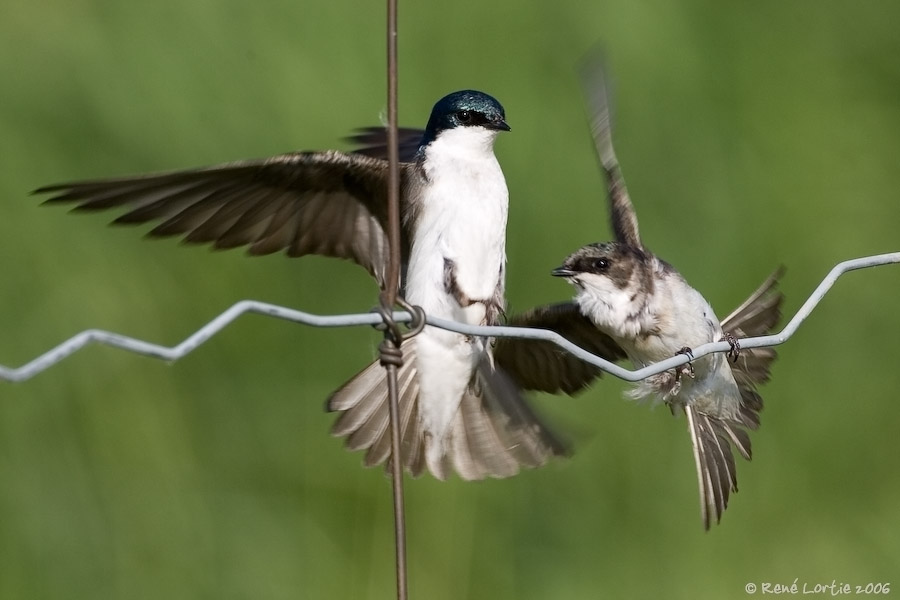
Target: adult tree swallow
651, 313
457, 411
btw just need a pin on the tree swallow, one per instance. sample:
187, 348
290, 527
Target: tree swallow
457, 410
651, 313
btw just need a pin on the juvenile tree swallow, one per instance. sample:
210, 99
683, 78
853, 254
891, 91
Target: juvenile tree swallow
457, 410
651, 313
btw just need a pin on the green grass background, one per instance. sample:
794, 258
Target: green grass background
751, 134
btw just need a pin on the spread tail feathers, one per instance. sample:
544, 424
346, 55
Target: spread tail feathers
493, 433
712, 439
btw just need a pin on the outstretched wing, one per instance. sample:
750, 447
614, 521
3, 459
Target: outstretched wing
372, 141
621, 210
760, 312
758, 315
326, 203
712, 437
543, 366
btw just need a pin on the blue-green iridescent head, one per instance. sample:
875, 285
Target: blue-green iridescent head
467, 108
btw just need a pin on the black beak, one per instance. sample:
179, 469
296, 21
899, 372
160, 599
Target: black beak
563, 272
499, 124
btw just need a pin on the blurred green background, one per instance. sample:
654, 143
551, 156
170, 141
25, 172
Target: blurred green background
751, 134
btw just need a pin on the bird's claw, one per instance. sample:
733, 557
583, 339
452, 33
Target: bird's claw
735, 346
687, 368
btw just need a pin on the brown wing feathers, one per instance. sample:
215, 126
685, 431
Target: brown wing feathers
327, 203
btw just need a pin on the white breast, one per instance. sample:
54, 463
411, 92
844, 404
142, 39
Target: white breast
685, 319
463, 219
682, 317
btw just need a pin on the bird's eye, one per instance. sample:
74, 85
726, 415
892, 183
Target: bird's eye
600, 265
464, 116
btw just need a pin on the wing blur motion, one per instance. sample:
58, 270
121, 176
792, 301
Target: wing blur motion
326, 203
543, 366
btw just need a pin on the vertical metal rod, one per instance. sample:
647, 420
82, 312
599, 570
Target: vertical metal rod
390, 298
393, 276
397, 480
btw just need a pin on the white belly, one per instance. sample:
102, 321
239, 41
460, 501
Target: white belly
462, 218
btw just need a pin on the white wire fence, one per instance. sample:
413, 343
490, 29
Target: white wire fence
195, 340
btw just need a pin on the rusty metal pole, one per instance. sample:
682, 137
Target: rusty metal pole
389, 299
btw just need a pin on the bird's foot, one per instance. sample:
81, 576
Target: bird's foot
735, 346
687, 368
